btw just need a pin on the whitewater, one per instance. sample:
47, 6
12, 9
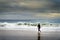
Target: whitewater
14, 26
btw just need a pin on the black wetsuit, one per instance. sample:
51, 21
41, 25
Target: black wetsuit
39, 27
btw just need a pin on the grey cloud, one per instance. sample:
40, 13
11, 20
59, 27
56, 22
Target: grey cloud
30, 5
16, 17
37, 5
27, 9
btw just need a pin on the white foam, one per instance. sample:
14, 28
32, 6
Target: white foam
14, 26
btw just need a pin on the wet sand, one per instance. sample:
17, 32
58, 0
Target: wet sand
29, 35
18, 35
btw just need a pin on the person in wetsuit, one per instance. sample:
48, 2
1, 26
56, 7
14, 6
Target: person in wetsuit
39, 27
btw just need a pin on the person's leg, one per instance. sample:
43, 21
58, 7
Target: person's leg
38, 29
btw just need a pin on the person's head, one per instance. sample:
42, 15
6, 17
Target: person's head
38, 23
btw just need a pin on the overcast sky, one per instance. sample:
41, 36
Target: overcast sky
30, 9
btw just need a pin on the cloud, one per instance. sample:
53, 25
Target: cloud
33, 5
29, 15
48, 15
30, 9
20, 15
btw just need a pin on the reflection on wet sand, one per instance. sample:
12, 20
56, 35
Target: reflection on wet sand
39, 36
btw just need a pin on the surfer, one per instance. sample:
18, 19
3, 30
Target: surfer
39, 27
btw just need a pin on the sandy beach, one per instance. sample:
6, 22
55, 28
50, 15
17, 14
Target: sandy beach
29, 35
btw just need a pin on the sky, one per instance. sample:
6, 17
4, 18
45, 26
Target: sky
46, 10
